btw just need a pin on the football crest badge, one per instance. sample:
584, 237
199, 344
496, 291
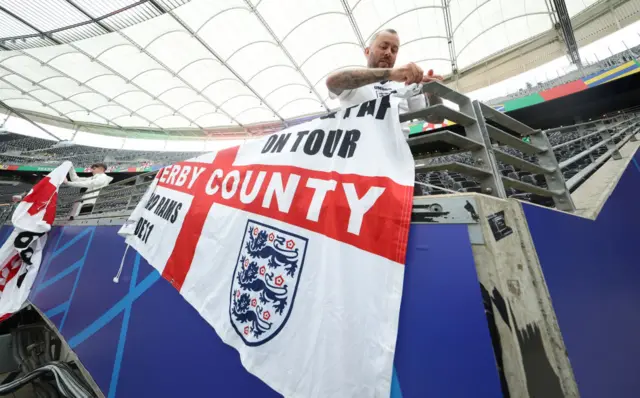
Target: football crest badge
265, 281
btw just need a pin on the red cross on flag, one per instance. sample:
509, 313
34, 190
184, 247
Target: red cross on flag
292, 247
21, 253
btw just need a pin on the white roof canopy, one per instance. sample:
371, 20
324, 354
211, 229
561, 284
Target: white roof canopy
220, 63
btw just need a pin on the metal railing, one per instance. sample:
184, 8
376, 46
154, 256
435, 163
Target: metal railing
483, 126
626, 134
116, 199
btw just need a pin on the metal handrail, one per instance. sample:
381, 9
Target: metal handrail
587, 123
579, 139
576, 179
102, 196
484, 167
122, 182
586, 152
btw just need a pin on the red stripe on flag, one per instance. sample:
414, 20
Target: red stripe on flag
50, 212
384, 230
179, 262
40, 196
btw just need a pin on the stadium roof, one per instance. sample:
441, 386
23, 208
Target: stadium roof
166, 64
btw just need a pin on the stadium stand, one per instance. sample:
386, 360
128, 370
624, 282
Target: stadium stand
583, 142
588, 69
16, 149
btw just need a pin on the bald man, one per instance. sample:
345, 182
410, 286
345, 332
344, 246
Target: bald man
381, 77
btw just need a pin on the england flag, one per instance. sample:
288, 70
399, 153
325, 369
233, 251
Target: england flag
21, 253
292, 247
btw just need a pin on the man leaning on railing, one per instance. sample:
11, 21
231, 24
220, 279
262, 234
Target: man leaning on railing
97, 181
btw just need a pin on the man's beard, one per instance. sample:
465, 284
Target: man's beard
376, 64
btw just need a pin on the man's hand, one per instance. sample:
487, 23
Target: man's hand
408, 74
350, 79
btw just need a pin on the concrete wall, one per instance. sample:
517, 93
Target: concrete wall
528, 343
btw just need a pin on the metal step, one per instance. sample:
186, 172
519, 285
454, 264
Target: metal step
523, 186
447, 136
453, 166
520, 163
439, 110
443, 91
506, 121
515, 142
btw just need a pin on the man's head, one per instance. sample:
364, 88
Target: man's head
383, 49
98, 168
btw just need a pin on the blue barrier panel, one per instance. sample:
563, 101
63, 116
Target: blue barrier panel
140, 338
592, 269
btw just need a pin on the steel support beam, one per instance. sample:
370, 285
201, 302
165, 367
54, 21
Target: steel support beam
22, 21
195, 35
564, 22
174, 73
11, 110
353, 23
138, 87
2, 79
34, 83
64, 74
86, 14
452, 48
48, 34
255, 11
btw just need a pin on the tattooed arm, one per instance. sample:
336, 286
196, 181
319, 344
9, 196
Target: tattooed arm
350, 79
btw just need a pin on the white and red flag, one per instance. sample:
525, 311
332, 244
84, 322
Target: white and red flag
21, 253
292, 247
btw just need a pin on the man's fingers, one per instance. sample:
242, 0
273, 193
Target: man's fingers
419, 74
412, 73
409, 74
434, 78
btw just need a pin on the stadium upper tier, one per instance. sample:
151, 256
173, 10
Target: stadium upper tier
587, 73
18, 149
212, 64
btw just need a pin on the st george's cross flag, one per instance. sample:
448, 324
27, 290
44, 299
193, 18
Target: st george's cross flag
21, 253
292, 247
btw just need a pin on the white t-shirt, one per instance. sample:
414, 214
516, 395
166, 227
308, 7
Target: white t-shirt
376, 90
